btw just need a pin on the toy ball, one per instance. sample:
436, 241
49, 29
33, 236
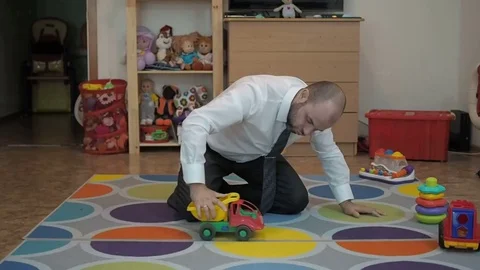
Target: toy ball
389, 152
409, 169
362, 169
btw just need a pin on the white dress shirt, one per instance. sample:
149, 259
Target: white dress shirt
244, 122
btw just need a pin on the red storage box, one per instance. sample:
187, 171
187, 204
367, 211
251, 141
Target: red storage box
418, 135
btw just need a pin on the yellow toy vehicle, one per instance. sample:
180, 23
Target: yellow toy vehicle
242, 218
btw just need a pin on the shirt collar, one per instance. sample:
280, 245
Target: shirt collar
282, 114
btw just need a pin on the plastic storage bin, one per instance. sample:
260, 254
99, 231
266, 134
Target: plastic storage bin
418, 135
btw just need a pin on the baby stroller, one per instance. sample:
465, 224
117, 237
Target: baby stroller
50, 74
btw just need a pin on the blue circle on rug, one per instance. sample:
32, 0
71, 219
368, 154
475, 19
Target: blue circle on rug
269, 266
35, 247
324, 178
159, 177
50, 232
11, 265
277, 218
71, 211
360, 192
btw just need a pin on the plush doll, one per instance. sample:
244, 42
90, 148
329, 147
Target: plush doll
187, 101
184, 47
145, 55
147, 102
205, 56
165, 55
288, 9
166, 106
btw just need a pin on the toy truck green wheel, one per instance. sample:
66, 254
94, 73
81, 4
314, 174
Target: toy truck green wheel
207, 231
243, 233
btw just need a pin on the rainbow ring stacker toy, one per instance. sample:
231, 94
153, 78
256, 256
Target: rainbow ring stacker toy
389, 167
431, 207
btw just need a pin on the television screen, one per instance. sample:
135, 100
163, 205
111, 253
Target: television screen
330, 6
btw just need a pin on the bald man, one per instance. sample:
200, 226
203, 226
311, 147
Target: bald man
244, 131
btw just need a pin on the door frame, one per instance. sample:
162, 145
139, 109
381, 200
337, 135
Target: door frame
92, 39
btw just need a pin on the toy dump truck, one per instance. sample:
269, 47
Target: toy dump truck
242, 218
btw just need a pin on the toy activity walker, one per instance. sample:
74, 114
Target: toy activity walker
242, 218
389, 167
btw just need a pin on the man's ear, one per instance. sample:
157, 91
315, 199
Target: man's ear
304, 93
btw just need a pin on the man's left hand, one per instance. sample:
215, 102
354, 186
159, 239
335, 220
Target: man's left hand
355, 210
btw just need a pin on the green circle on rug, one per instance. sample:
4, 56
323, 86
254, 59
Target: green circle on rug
333, 212
156, 191
129, 266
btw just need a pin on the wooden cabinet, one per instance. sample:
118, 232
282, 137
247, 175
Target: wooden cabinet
311, 49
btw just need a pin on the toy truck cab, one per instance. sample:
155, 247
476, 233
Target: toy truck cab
460, 229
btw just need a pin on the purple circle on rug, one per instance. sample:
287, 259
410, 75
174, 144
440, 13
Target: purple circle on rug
402, 265
145, 213
139, 249
378, 233
433, 211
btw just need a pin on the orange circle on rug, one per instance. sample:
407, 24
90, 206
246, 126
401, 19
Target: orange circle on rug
144, 233
390, 248
92, 191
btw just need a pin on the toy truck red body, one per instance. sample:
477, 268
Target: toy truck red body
460, 229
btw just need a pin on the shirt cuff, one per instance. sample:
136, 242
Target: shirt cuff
193, 173
342, 193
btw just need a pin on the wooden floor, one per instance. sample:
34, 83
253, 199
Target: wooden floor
35, 180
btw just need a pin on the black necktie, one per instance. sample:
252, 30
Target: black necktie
270, 172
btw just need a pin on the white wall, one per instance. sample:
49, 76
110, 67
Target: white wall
154, 15
469, 53
417, 55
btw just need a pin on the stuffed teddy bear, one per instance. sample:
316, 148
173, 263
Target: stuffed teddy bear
288, 9
184, 47
205, 56
148, 101
166, 106
165, 54
145, 55
187, 101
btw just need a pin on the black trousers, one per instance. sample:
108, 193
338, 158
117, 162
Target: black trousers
291, 195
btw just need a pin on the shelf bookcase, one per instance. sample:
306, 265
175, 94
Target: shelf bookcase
152, 17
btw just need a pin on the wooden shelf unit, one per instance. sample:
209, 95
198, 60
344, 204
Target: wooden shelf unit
312, 49
132, 20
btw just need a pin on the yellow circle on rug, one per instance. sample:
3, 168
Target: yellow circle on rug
157, 191
106, 178
333, 212
129, 266
410, 190
285, 243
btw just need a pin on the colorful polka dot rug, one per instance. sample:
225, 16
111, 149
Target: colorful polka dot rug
123, 222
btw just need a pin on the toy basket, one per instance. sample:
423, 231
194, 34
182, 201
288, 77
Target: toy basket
104, 116
154, 134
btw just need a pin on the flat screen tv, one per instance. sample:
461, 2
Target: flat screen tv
320, 6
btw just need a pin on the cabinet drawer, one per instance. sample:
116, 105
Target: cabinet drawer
310, 67
294, 36
345, 130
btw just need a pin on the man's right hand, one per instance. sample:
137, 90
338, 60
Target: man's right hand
205, 200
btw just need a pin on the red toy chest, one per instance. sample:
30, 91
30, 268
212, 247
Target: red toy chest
418, 135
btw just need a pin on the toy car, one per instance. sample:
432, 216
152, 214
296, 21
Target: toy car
242, 218
460, 229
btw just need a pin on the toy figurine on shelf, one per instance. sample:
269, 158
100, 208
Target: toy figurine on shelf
145, 55
205, 56
288, 9
389, 167
165, 54
148, 101
166, 105
188, 101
